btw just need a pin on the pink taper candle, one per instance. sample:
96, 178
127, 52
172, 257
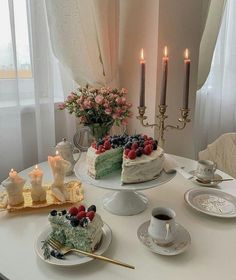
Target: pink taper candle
142, 88
186, 79
164, 77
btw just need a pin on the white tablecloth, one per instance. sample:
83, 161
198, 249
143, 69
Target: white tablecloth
210, 256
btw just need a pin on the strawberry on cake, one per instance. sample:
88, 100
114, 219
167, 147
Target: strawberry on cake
139, 157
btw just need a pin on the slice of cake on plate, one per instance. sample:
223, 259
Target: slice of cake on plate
139, 158
77, 228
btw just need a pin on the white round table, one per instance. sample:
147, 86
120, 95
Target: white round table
210, 256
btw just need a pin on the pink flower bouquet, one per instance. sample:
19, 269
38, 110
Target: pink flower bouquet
104, 105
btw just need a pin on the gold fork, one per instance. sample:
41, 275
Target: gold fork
64, 250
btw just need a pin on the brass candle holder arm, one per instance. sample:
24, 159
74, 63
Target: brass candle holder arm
160, 125
141, 117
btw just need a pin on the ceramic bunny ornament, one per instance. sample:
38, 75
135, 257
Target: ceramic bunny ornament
59, 168
14, 187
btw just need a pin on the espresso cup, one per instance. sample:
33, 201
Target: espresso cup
162, 228
206, 169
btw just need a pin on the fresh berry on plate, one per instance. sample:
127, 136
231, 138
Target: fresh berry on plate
92, 208
132, 154
90, 215
73, 211
81, 215
81, 208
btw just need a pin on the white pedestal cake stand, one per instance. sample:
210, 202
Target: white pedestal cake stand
124, 200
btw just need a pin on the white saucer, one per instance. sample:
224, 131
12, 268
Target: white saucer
212, 202
179, 245
71, 259
211, 184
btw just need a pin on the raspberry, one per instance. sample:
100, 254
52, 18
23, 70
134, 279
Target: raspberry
134, 146
73, 211
100, 150
127, 151
81, 215
90, 215
94, 145
107, 145
132, 154
147, 150
81, 208
146, 142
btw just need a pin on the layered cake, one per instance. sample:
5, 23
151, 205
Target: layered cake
139, 157
77, 228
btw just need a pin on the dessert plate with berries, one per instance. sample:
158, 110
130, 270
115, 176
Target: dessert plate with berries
84, 229
73, 258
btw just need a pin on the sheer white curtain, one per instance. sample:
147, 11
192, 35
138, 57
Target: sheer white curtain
215, 111
84, 37
29, 82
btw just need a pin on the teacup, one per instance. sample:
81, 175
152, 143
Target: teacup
206, 169
162, 228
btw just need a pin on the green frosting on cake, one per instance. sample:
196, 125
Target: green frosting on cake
105, 163
78, 237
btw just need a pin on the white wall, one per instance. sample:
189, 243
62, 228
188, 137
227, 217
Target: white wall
138, 29
153, 24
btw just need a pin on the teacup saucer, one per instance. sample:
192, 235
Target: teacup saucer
212, 184
179, 245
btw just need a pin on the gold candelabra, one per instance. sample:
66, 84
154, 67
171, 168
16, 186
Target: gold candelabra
161, 118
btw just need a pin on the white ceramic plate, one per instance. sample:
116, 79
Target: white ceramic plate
212, 202
179, 245
72, 259
212, 184
113, 182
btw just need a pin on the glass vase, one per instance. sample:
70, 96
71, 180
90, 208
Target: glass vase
100, 130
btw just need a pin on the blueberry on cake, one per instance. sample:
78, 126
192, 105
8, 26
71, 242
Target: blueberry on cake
77, 228
139, 157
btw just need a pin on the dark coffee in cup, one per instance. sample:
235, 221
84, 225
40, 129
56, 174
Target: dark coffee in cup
162, 217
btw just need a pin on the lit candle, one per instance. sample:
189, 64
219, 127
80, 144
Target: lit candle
59, 168
13, 174
164, 77
142, 88
14, 187
186, 79
37, 191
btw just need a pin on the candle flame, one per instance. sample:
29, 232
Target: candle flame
36, 166
57, 153
165, 51
186, 54
12, 170
142, 54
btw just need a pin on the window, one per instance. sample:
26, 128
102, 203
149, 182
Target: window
14, 43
